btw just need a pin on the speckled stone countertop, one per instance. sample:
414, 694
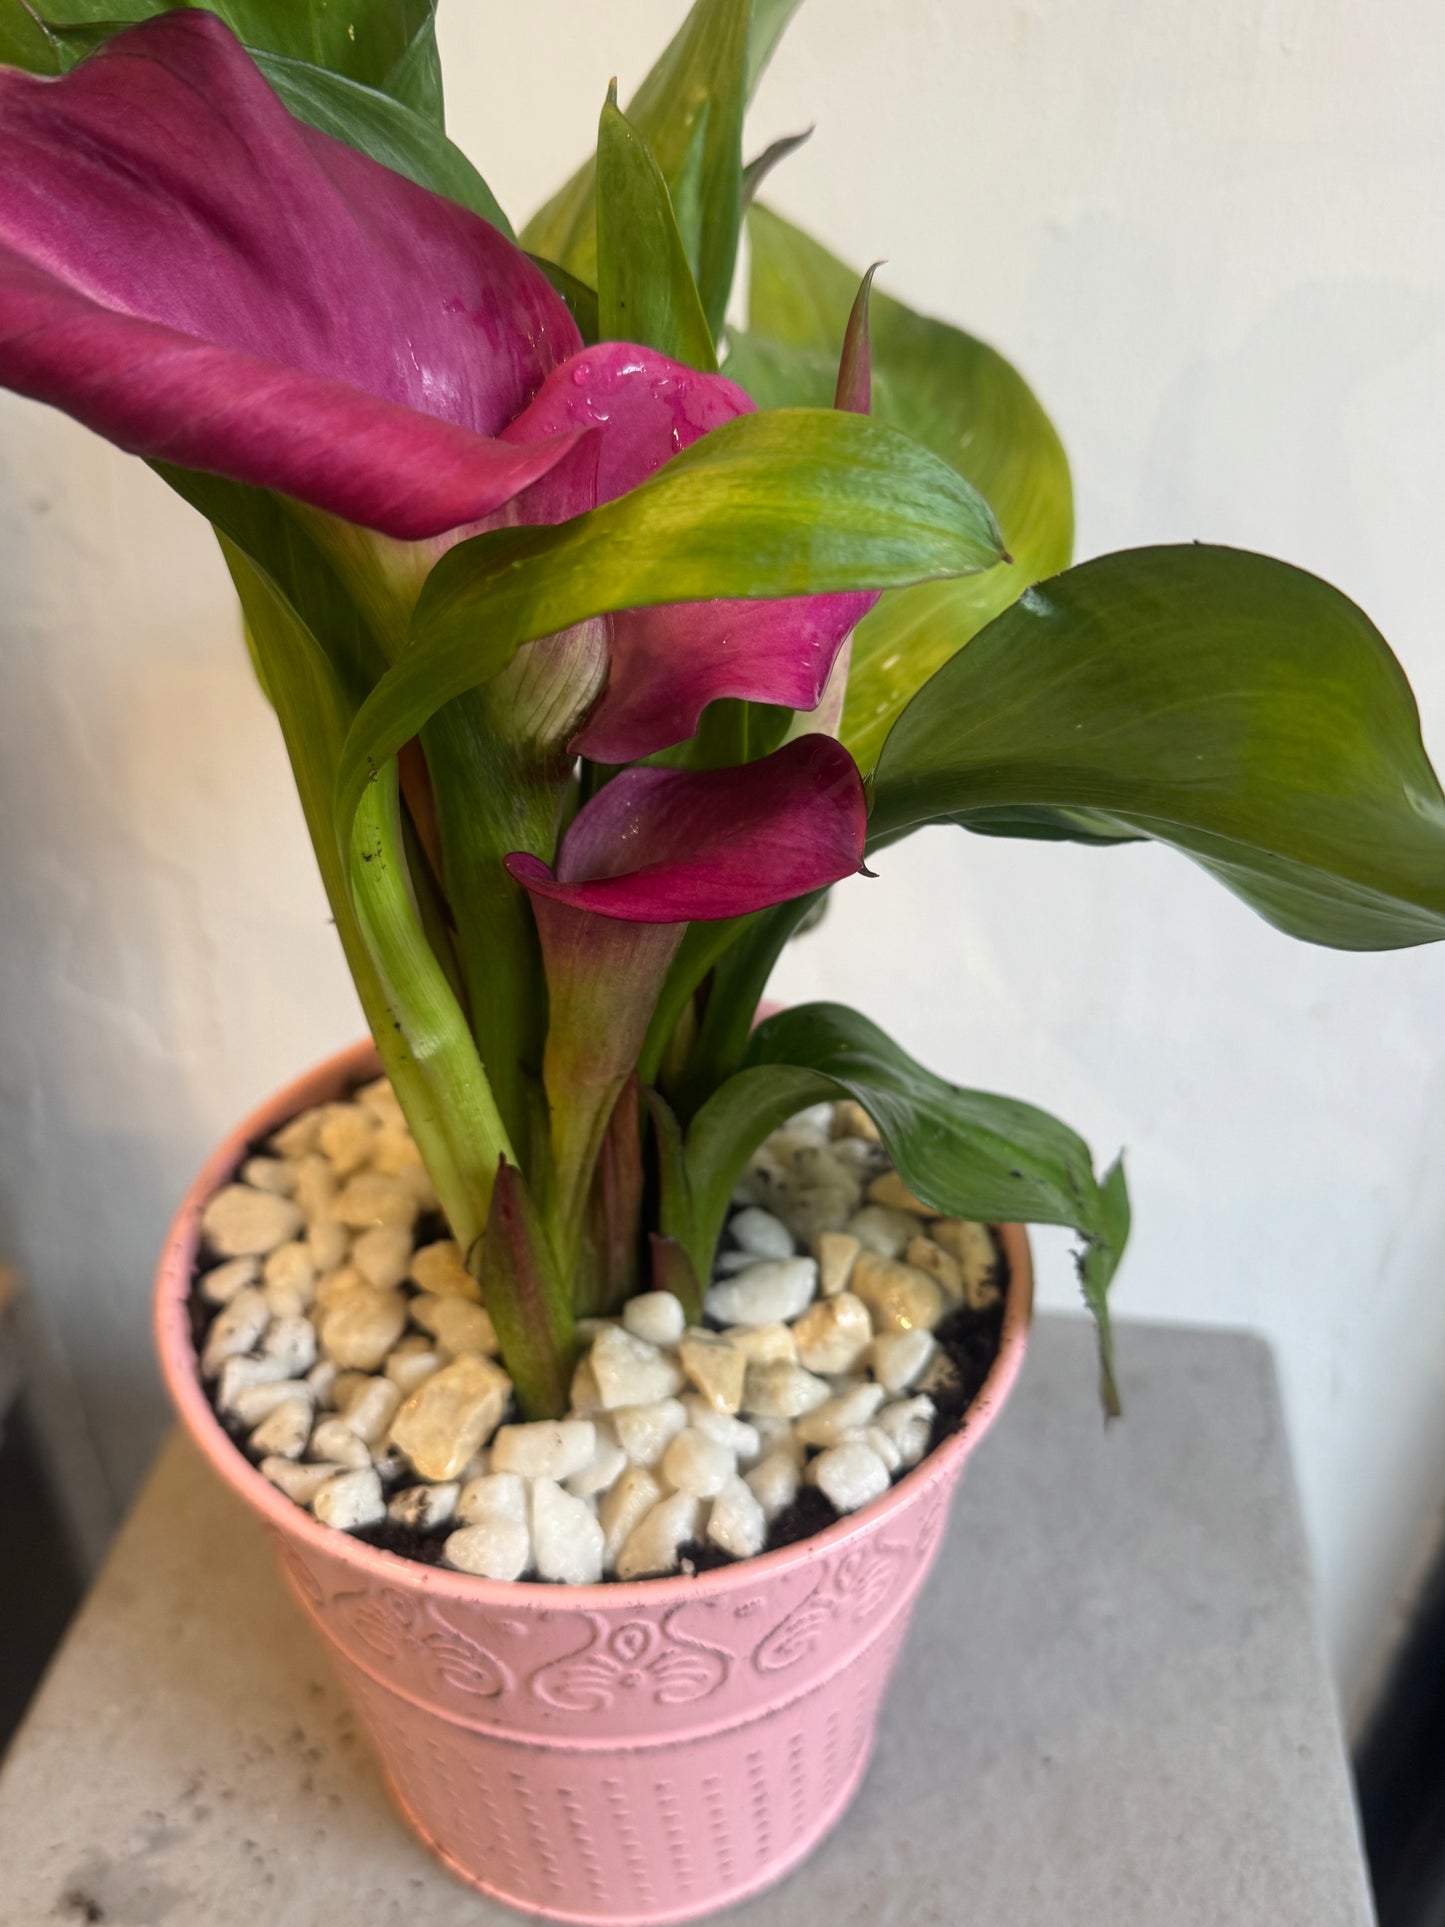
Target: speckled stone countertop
1114, 1707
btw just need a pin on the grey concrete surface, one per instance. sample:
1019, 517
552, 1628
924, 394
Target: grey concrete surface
1113, 1712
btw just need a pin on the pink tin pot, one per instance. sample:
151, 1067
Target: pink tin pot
618, 1753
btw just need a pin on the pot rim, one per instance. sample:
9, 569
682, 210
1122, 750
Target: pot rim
180, 1367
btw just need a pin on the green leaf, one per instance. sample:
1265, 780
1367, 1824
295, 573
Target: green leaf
387, 130
967, 1153
415, 79
645, 289
783, 504
581, 300
383, 44
758, 169
956, 396
423, 1007
689, 111
766, 28
1240, 709
314, 711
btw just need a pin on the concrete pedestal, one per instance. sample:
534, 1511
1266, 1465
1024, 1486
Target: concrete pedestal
1113, 1711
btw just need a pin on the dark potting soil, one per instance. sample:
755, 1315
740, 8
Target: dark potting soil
967, 1340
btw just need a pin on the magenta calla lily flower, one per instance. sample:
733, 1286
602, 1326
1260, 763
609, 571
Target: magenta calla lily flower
205, 281
671, 846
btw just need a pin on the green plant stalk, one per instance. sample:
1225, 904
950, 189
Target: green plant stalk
314, 715
424, 1009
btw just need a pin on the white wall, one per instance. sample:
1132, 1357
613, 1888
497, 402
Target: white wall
1210, 231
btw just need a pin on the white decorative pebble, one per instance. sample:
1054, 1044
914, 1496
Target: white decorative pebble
697, 1464
608, 1462
412, 1368
457, 1410
237, 1374
782, 1390
283, 1433
773, 1482
653, 1545
350, 1500
494, 1548
884, 1231
495, 1495
270, 1174
315, 1184
335, 1284
567, 1538
360, 1325
885, 1445
851, 1475
238, 1327
645, 1431
381, 1100
940, 1265
735, 1434
369, 1199
423, 1507
716, 1367
764, 1344
295, 1139
439, 1268
889, 1189
629, 1371
899, 1297
586, 1393
220, 1284
656, 1316
776, 1435
767, 1293
299, 1482
334, 1439
346, 1136
345, 1386
727, 1262
835, 1252
818, 1193
322, 1379
548, 1449
382, 1255
830, 1424
623, 1506
862, 1158
292, 1343
370, 1409
899, 1359
737, 1522
249, 1404
851, 1120
833, 1334
290, 1280
759, 1232
328, 1242
972, 1245
457, 1324
909, 1423
239, 1222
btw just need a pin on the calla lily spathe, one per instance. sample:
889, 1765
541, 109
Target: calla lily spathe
205, 281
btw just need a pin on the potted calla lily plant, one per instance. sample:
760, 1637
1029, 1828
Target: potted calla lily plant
601, 1356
